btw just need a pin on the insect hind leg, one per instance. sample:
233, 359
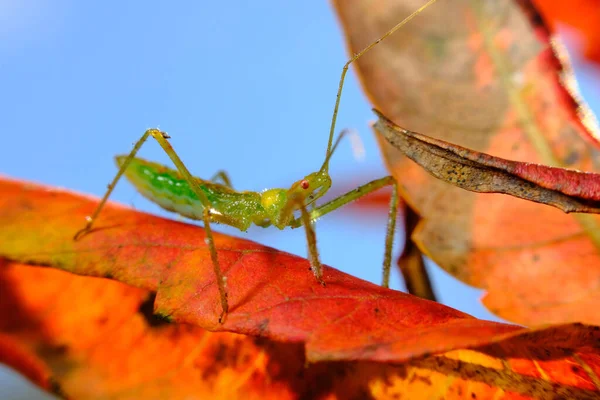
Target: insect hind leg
161, 138
111, 186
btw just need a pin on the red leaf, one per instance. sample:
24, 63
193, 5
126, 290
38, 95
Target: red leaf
583, 15
567, 190
99, 338
271, 294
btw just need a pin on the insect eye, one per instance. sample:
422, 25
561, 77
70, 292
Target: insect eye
304, 184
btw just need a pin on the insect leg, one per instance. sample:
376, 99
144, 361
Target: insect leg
311, 240
355, 194
221, 280
161, 138
222, 176
111, 186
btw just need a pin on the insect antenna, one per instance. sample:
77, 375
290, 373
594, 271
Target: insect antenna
357, 145
356, 56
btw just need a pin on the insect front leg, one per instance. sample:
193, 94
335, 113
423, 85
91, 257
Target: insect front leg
311, 240
297, 202
355, 194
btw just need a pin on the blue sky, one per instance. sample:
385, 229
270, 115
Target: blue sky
248, 88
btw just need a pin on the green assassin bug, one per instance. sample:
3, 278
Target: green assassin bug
216, 201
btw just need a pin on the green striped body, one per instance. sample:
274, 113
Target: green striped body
167, 188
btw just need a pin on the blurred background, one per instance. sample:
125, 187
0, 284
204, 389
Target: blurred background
248, 88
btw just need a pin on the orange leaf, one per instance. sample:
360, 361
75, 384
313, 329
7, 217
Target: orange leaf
487, 79
17, 355
99, 338
109, 345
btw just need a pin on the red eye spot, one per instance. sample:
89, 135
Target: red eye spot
304, 184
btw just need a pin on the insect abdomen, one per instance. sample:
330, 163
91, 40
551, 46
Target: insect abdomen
163, 186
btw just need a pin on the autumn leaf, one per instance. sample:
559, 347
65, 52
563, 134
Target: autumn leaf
109, 345
271, 293
582, 15
143, 337
567, 190
487, 78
